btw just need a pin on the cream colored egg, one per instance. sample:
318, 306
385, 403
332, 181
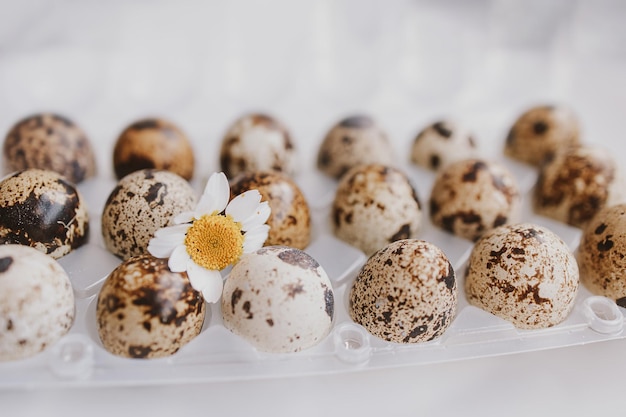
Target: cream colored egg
441, 143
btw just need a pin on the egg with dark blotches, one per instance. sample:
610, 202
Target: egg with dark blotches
50, 142
42, 209
279, 299
522, 273
405, 293
355, 140
540, 132
141, 203
602, 254
576, 183
144, 310
473, 196
257, 142
374, 205
153, 144
290, 220
442, 143
36, 302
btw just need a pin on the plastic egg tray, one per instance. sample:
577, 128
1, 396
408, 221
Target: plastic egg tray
79, 358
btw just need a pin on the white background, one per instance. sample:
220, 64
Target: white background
201, 64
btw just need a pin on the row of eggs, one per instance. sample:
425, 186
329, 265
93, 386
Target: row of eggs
471, 171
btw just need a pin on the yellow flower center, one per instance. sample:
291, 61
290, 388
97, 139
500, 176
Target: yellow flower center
214, 241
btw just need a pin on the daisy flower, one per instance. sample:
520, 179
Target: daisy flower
213, 236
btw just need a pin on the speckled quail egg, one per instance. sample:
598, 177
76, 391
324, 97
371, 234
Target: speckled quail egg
540, 132
442, 143
353, 141
156, 144
50, 142
141, 203
42, 209
602, 254
405, 293
576, 183
144, 310
290, 221
36, 302
522, 273
279, 299
257, 142
473, 196
375, 205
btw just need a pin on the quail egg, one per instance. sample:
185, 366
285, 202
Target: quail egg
405, 293
524, 274
290, 221
36, 302
42, 209
472, 196
442, 143
540, 132
146, 311
49, 142
576, 183
374, 205
602, 254
156, 144
141, 203
279, 299
353, 141
257, 142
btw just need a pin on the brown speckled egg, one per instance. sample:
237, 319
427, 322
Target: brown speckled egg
290, 221
524, 274
405, 293
156, 144
375, 205
540, 132
257, 142
442, 143
36, 302
144, 310
473, 196
44, 210
51, 142
353, 141
576, 183
140, 204
602, 254
279, 299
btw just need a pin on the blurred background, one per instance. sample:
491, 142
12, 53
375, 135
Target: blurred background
201, 64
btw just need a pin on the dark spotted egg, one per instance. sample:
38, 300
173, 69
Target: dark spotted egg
146, 311
522, 273
540, 132
141, 203
42, 209
473, 196
441, 143
290, 221
405, 293
257, 142
156, 144
36, 302
51, 142
279, 299
374, 205
353, 141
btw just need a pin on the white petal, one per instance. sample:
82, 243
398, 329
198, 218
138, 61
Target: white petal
160, 247
255, 239
208, 282
179, 259
260, 217
244, 205
184, 217
176, 232
216, 195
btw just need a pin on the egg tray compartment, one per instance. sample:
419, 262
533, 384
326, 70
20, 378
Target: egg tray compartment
79, 359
